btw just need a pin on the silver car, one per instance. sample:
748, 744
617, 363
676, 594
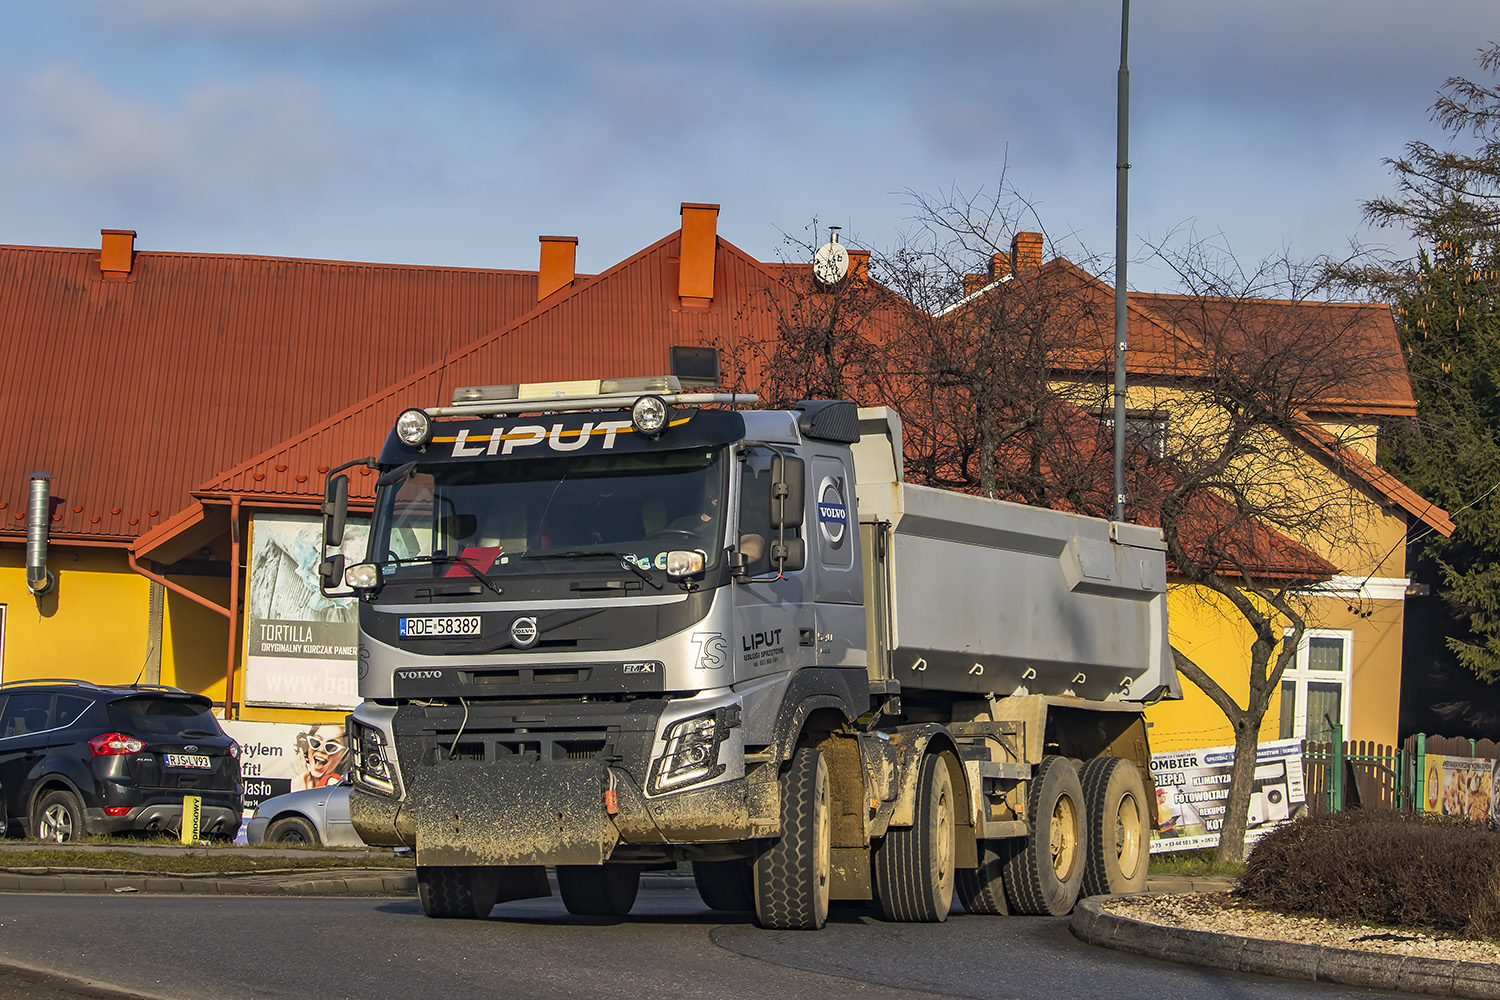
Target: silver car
315, 816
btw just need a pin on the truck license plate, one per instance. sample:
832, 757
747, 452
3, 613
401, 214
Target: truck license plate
186, 760
439, 626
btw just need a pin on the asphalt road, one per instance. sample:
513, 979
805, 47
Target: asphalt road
226, 948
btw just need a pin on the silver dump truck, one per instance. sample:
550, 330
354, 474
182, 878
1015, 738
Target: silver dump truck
611, 627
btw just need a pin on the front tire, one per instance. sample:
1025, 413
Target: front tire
913, 866
791, 879
58, 817
598, 890
463, 892
1119, 840
725, 885
1043, 876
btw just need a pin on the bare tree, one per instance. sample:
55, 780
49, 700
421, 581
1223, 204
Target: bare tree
1250, 486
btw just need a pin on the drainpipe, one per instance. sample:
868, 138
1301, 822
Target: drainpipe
234, 604
39, 579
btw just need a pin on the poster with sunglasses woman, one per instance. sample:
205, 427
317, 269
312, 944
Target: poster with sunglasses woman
321, 758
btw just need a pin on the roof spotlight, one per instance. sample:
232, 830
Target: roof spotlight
414, 428
649, 415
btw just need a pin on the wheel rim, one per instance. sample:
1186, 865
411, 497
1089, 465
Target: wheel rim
1128, 835
1064, 840
823, 840
56, 824
942, 851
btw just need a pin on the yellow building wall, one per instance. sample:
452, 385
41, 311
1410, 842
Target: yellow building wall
1206, 628
95, 626
1365, 541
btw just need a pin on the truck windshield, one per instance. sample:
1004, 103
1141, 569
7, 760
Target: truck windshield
547, 514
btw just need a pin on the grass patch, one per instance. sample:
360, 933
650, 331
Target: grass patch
215, 860
1193, 864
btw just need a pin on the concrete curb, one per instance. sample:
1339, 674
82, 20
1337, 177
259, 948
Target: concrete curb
1286, 959
341, 882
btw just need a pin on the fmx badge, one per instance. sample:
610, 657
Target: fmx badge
833, 514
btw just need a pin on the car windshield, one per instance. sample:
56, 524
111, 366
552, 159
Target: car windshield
548, 514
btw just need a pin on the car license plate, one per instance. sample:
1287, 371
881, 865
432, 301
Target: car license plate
439, 626
186, 760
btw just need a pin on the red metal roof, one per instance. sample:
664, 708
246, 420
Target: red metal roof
620, 323
130, 390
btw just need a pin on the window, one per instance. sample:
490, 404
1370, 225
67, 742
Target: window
1315, 689
1147, 428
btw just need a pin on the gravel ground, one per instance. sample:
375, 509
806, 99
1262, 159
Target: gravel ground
1218, 912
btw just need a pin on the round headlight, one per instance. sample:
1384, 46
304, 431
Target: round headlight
362, 576
649, 414
414, 428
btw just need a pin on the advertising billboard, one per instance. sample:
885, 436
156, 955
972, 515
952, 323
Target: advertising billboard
1192, 790
301, 648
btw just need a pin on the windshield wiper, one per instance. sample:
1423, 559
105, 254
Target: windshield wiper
460, 559
626, 562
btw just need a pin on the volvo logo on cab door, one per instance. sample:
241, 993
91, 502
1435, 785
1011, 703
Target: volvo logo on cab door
833, 513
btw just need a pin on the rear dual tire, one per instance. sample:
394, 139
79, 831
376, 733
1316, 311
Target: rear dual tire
1044, 872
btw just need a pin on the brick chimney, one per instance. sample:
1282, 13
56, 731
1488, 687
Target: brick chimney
116, 252
975, 283
1026, 250
859, 266
999, 266
700, 238
558, 264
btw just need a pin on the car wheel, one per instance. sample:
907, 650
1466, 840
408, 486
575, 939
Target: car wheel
292, 830
58, 817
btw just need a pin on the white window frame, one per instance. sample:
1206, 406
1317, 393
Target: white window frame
1300, 674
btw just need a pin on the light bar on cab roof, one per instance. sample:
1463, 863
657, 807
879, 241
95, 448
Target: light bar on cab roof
589, 394
584, 389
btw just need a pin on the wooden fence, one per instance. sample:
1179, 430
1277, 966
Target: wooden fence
1345, 773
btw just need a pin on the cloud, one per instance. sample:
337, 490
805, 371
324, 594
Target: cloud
227, 141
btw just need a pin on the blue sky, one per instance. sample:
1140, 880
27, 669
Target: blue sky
456, 131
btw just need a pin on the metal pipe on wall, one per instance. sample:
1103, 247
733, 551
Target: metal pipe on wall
39, 579
234, 604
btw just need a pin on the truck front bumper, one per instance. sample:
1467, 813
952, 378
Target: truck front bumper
555, 813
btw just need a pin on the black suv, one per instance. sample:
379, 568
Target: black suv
78, 759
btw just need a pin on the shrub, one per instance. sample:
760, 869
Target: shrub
1380, 867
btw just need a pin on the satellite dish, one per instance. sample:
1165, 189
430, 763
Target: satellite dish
831, 262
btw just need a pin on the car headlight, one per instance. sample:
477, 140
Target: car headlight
692, 753
414, 428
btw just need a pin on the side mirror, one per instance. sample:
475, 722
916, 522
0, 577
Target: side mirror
335, 510
789, 555
331, 570
788, 492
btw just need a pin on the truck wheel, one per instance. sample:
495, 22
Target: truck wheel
725, 885
1043, 874
465, 892
913, 866
982, 889
791, 879
1119, 840
598, 890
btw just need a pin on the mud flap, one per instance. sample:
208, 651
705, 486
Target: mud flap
512, 814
